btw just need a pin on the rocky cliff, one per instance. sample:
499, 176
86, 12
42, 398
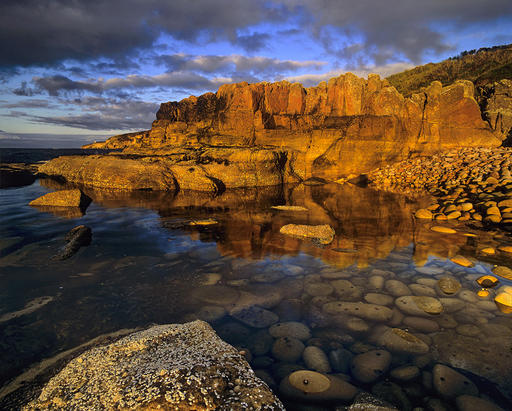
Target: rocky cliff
348, 125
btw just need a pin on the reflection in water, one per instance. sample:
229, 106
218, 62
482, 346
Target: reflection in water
147, 264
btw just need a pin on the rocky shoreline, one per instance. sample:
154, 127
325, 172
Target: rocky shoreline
472, 184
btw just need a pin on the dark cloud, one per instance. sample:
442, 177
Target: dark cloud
105, 114
57, 84
386, 29
30, 103
253, 42
24, 90
44, 32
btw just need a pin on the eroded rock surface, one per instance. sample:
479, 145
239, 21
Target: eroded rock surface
177, 366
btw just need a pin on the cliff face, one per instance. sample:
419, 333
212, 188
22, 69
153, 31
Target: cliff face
348, 125
496, 102
272, 133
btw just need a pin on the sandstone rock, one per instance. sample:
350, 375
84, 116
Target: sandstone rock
502, 271
423, 213
460, 260
365, 401
168, 366
449, 285
63, 198
322, 233
370, 366
450, 383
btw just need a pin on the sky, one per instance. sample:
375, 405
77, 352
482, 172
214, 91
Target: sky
77, 71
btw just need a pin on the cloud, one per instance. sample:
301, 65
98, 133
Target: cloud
44, 32
385, 30
253, 42
56, 84
311, 80
104, 114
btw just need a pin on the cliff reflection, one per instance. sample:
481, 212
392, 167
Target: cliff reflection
368, 224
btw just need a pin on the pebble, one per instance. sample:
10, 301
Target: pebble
340, 360
442, 229
371, 312
473, 403
452, 305
216, 294
468, 330
487, 281
405, 373
255, 316
290, 329
401, 341
450, 383
419, 306
397, 288
379, 299
429, 270
288, 349
211, 313
376, 282
315, 359
449, 285
423, 213
318, 289
502, 271
370, 366
421, 324
260, 342
347, 291
421, 289
461, 260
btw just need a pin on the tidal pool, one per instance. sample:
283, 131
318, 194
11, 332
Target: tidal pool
364, 308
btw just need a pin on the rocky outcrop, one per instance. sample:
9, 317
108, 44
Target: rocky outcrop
347, 125
63, 198
119, 141
177, 366
496, 103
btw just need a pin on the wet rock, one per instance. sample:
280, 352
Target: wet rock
365, 401
63, 198
451, 305
233, 332
289, 310
450, 383
422, 289
442, 229
260, 342
211, 313
315, 359
393, 394
419, 306
469, 330
371, 312
340, 360
398, 340
216, 294
79, 236
351, 324
429, 270
421, 324
468, 296
379, 299
397, 288
311, 386
370, 366
461, 260
376, 282
504, 302
318, 289
289, 208
324, 234
423, 213
288, 349
502, 271
448, 285
405, 373
473, 403
167, 366
290, 329
487, 281
347, 291
255, 316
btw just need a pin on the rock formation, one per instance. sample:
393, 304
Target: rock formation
496, 102
176, 366
283, 132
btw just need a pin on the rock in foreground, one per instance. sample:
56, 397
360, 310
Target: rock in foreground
63, 198
324, 234
177, 366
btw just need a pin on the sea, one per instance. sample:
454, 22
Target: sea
165, 257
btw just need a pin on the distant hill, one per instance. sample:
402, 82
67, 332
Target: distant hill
483, 66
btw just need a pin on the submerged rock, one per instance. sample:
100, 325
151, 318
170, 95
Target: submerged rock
79, 236
165, 366
324, 234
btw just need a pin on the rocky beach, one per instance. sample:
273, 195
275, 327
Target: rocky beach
269, 246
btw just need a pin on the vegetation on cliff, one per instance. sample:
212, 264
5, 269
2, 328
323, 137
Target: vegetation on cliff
482, 67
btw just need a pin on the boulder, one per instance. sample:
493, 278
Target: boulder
79, 236
165, 366
63, 198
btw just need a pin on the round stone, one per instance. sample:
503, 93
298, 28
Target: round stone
211, 313
287, 349
397, 288
423, 213
290, 329
472, 403
421, 324
461, 260
415, 305
450, 383
216, 294
421, 289
401, 341
449, 285
442, 229
318, 289
487, 281
347, 291
309, 381
315, 359
502, 271
379, 299
405, 373
255, 316
370, 366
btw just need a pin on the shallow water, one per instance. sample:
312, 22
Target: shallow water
147, 264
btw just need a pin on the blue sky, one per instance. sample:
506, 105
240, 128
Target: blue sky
78, 71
